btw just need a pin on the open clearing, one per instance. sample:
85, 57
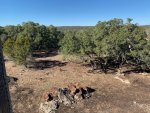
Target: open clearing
112, 94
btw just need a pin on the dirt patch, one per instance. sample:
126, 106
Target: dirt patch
111, 96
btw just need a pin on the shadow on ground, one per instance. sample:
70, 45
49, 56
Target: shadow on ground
43, 64
43, 54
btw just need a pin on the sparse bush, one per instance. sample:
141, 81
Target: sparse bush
86, 42
72, 58
8, 47
21, 50
70, 43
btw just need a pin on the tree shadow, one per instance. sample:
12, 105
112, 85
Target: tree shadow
11, 80
43, 54
43, 64
101, 68
135, 70
112, 67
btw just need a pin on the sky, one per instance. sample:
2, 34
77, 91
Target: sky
72, 12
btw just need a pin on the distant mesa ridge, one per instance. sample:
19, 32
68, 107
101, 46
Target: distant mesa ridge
73, 27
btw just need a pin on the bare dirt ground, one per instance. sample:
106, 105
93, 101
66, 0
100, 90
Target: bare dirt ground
112, 94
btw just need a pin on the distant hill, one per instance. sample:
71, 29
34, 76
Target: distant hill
62, 28
147, 28
76, 28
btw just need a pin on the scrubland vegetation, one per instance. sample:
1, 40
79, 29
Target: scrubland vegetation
115, 47
109, 43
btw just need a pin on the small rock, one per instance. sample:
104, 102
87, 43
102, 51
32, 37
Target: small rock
63, 98
20, 105
78, 95
13, 89
47, 73
72, 88
134, 102
122, 80
47, 97
14, 65
49, 107
144, 74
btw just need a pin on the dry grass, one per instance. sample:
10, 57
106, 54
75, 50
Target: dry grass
111, 96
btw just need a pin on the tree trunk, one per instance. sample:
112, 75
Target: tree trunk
5, 103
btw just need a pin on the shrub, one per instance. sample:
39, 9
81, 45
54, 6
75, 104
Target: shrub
8, 47
70, 43
21, 50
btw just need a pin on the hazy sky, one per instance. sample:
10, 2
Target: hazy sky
72, 12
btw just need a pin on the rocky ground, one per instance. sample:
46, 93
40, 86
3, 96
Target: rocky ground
114, 94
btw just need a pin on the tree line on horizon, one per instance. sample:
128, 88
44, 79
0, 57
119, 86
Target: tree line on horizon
112, 42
